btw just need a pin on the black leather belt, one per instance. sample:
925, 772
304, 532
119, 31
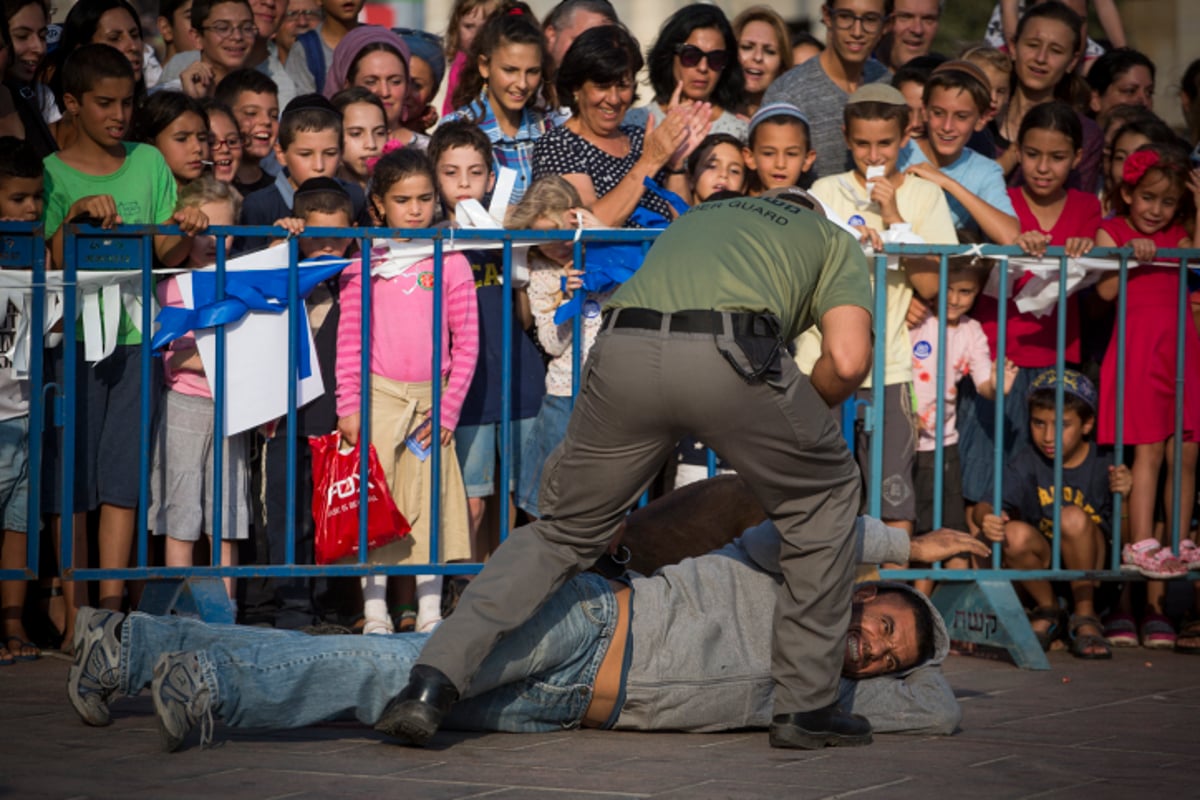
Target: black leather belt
680, 321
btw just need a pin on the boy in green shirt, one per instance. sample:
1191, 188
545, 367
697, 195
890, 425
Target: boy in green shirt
112, 182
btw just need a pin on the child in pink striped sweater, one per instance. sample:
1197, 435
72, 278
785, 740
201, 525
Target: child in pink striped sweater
402, 195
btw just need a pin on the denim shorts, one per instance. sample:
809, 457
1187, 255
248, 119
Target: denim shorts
14, 473
478, 449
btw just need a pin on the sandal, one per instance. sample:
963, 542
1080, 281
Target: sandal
1152, 560
1188, 629
15, 652
6, 658
1189, 553
1053, 633
1082, 645
1157, 632
1120, 630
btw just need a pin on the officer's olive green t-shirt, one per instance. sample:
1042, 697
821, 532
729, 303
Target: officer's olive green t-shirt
751, 254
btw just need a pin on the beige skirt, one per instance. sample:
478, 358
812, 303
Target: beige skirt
398, 409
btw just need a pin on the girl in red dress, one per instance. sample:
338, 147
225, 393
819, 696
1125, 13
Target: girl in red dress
1154, 201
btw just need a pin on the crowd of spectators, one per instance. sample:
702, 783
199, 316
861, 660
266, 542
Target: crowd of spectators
292, 112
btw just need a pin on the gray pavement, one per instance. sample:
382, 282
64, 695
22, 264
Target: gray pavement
1129, 727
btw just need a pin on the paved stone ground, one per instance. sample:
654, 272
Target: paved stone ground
1093, 730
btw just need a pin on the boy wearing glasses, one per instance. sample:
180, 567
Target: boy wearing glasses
223, 32
820, 86
229, 36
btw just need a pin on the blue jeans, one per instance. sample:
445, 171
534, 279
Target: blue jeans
538, 678
549, 428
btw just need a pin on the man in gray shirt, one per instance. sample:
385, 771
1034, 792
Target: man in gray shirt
688, 648
820, 86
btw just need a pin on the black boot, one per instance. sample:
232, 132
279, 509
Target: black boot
413, 716
825, 727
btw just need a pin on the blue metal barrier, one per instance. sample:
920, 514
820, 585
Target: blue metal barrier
129, 248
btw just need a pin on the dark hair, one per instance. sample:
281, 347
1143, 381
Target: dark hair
18, 159
782, 119
1150, 126
1124, 113
502, 29
918, 70
396, 166
874, 109
699, 156
323, 201
563, 14
1055, 10
1054, 115
374, 47
202, 10
212, 105
1043, 400
244, 80
11, 7
975, 267
805, 37
1189, 84
923, 617
91, 63
459, 133
158, 111
603, 55
961, 75
167, 8
356, 94
675, 31
78, 29
1113, 64
308, 119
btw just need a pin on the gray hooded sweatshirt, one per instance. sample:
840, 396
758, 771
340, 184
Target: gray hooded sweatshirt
701, 654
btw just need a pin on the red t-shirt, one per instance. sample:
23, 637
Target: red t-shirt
1032, 340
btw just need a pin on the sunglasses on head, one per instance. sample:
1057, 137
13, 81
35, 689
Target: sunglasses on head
690, 56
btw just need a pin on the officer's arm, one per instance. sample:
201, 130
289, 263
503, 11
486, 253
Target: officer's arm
845, 353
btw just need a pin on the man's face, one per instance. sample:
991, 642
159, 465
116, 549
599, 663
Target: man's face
855, 27
558, 42
882, 637
914, 24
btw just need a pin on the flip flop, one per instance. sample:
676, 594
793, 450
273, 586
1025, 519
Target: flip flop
21, 644
6, 658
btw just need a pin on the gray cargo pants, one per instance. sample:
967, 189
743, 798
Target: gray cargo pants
642, 390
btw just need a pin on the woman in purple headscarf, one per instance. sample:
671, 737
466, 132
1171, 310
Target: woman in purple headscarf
376, 59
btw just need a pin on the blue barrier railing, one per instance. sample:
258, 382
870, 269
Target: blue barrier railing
128, 248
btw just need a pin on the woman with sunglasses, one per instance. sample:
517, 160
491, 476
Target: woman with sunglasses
607, 161
695, 61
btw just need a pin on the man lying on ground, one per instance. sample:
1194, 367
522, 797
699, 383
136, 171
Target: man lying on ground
685, 649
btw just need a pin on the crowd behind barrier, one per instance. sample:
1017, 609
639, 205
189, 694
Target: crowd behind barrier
119, 255
296, 121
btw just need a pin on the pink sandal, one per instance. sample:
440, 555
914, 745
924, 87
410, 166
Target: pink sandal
1189, 553
1152, 560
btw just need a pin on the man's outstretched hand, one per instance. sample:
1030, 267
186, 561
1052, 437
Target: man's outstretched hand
945, 543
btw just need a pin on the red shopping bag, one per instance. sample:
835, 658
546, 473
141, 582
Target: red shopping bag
336, 500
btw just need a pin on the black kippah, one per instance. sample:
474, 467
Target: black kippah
322, 184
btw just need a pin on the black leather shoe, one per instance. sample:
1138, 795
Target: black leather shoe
413, 716
825, 727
